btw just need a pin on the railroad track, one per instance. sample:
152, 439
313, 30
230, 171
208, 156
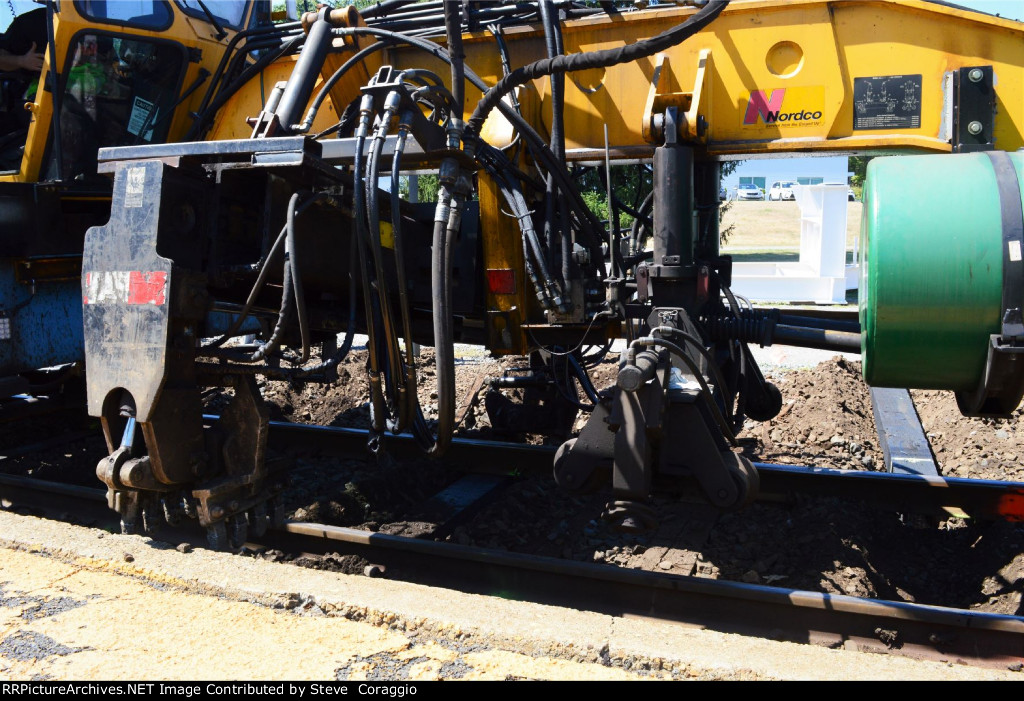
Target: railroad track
985, 499
919, 631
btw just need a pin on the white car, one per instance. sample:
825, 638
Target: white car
749, 191
850, 195
782, 190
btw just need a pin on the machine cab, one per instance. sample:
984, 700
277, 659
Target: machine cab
115, 73
125, 72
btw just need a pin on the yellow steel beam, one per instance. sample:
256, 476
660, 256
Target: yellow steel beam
797, 57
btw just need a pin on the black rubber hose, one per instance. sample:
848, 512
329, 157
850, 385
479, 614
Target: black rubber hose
350, 330
432, 21
506, 68
291, 288
706, 392
589, 225
393, 357
563, 207
362, 235
553, 232
385, 7
444, 350
640, 223
291, 261
530, 236
592, 59
226, 94
329, 84
698, 345
453, 29
261, 278
823, 339
520, 210
411, 399
270, 346
278, 29
584, 379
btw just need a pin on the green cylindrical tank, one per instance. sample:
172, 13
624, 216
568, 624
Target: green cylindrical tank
932, 269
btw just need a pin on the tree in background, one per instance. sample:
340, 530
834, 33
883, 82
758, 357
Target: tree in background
858, 165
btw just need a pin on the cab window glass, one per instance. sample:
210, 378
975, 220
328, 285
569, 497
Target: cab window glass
151, 14
229, 12
119, 91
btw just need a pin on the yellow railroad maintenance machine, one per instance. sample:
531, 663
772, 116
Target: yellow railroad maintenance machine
288, 237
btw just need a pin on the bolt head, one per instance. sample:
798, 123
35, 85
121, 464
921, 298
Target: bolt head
974, 128
975, 75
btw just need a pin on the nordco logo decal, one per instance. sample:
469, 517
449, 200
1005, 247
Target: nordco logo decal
782, 107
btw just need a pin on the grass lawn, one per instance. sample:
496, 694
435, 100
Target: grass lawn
771, 230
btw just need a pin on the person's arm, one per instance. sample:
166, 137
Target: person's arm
31, 61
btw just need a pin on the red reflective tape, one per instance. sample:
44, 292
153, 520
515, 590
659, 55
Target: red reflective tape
501, 281
1011, 507
125, 287
147, 288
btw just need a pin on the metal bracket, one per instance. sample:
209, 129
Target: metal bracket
974, 109
694, 106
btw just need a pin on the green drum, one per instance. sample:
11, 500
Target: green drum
936, 235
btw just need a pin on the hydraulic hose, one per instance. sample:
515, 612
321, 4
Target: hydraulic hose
506, 68
291, 289
291, 261
593, 59
383, 8
281, 30
356, 59
709, 397
377, 409
584, 379
411, 399
589, 225
453, 29
264, 271
555, 233
699, 347
447, 220
222, 96
517, 205
640, 223
394, 374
